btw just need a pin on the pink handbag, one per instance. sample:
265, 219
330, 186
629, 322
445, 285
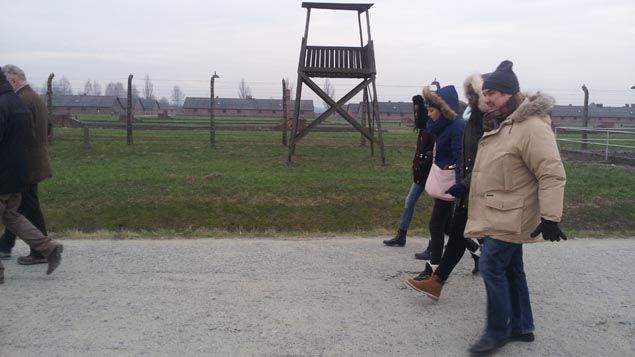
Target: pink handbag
439, 181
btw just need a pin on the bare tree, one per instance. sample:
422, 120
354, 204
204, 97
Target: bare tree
96, 87
148, 88
111, 89
116, 89
163, 102
329, 89
177, 96
62, 87
289, 85
243, 90
135, 92
88, 88
43, 90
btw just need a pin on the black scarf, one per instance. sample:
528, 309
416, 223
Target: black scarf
491, 120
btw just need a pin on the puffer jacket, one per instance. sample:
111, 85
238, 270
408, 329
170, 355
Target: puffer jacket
472, 132
518, 176
448, 129
422, 161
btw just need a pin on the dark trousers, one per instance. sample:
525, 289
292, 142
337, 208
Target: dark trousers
457, 243
30, 209
508, 307
441, 214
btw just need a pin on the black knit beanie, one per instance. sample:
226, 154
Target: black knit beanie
503, 79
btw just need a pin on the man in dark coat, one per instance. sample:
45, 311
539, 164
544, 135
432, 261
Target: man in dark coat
15, 141
38, 164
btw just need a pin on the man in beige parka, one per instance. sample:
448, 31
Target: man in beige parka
516, 194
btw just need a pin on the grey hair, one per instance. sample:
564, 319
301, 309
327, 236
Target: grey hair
13, 72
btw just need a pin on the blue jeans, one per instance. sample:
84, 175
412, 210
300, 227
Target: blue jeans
508, 306
409, 207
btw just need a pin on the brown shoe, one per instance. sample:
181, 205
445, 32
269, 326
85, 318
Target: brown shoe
31, 260
431, 286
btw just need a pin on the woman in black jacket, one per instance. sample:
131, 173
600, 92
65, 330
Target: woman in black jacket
421, 164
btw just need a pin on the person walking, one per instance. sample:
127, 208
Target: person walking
516, 195
457, 243
421, 164
447, 127
38, 164
15, 137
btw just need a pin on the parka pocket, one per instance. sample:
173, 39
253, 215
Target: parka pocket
504, 212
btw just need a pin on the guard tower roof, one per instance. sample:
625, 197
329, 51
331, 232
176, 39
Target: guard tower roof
336, 6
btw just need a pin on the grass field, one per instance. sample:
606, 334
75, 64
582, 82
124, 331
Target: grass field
171, 183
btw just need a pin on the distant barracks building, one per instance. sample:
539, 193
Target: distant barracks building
101, 104
402, 112
599, 115
235, 107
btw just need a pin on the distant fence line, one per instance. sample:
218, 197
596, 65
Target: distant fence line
609, 145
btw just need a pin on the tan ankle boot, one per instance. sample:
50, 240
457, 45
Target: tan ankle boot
431, 286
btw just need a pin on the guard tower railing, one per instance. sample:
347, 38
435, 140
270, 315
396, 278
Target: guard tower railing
339, 61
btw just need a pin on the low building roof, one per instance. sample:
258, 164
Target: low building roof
386, 107
243, 104
595, 111
148, 103
99, 101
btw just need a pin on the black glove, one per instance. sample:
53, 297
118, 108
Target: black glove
457, 190
550, 231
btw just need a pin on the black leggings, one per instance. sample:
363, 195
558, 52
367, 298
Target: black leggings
456, 245
441, 214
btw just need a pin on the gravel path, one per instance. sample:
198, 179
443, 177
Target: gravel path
319, 297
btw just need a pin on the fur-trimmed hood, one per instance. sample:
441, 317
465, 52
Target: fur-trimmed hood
536, 105
445, 99
475, 82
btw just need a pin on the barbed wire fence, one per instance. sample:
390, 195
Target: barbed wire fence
229, 88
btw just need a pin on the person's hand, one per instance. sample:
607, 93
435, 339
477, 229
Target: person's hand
457, 190
550, 231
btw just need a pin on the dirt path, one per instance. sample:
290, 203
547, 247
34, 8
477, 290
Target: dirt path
322, 297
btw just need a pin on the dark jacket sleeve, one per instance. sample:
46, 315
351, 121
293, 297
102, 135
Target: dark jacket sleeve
422, 161
3, 119
456, 143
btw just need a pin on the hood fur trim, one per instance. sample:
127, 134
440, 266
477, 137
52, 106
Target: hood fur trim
537, 105
475, 81
438, 102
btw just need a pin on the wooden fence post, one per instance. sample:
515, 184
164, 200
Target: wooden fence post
129, 110
586, 116
86, 138
49, 103
212, 124
285, 111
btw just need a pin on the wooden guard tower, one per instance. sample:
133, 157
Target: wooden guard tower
339, 62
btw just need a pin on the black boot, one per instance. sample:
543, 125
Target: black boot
425, 255
426, 273
487, 345
399, 240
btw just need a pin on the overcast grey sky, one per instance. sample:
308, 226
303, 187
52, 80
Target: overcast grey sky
556, 45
